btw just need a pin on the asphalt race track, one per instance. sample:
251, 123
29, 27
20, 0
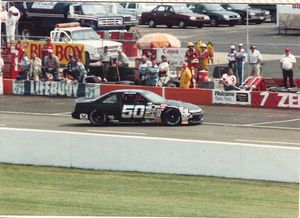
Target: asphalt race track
221, 123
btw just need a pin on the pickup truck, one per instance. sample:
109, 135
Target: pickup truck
87, 36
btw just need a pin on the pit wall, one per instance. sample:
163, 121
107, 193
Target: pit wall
148, 154
263, 99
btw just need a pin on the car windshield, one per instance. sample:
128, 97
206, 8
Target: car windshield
182, 9
113, 8
239, 6
93, 9
152, 97
86, 34
213, 7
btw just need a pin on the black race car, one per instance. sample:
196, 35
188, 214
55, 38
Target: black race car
136, 106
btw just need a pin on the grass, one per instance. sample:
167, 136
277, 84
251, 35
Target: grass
31, 190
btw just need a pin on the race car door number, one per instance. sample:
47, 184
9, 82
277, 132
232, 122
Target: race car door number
133, 111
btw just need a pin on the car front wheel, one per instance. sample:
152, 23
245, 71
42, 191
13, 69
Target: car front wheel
213, 22
97, 118
171, 117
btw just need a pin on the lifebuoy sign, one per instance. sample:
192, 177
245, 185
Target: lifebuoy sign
276, 100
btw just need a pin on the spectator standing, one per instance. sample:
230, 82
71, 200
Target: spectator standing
254, 59
122, 59
287, 64
203, 57
24, 65
164, 71
152, 76
185, 76
11, 26
143, 69
1, 74
3, 21
229, 81
191, 57
240, 62
35, 69
231, 57
52, 66
106, 60
45, 49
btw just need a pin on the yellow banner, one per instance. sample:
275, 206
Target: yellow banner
61, 50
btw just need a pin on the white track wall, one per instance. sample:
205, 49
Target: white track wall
146, 154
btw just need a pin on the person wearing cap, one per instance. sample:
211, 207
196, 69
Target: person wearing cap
191, 56
122, 59
203, 57
45, 49
68, 71
51, 69
229, 81
11, 26
144, 67
35, 69
106, 61
152, 74
79, 72
240, 62
164, 69
254, 59
231, 57
185, 76
288, 64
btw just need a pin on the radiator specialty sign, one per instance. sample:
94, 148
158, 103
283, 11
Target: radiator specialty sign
51, 88
276, 100
232, 97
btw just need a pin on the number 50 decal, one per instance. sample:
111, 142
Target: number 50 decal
133, 111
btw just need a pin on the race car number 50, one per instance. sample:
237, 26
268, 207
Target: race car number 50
133, 111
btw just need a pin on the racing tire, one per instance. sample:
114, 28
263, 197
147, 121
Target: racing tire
97, 118
241, 21
171, 117
152, 24
181, 24
214, 22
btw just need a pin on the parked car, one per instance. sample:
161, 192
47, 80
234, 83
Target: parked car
138, 8
174, 15
136, 106
217, 14
267, 7
254, 15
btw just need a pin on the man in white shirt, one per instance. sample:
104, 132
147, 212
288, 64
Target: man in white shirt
1, 81
240, 59
229, 81
164, 70
287, 64
106, 60
11, 26
254, 59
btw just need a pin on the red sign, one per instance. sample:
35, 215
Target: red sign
276, 100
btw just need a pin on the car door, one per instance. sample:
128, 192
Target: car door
110, 105
159, 15
133, 107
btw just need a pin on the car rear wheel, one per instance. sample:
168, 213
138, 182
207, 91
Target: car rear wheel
97, 118
181, 24
152, 24
171, 117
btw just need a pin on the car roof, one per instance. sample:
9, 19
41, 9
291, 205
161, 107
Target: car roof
130, 91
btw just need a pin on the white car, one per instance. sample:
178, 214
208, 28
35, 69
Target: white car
89, 38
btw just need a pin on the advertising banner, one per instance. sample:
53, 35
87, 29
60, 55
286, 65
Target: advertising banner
175, 56
276, 100
232, 97
51, 88
61, 50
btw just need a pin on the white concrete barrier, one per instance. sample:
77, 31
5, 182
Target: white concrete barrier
147, 154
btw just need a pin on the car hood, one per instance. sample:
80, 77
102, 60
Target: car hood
192, 14
182, 104
229, 13
99, 43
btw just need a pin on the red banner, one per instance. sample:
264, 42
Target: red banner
276, 100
